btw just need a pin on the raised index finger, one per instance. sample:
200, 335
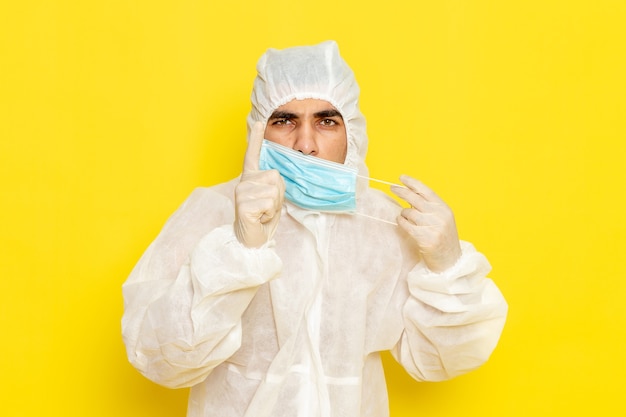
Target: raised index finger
253, 152
418, 187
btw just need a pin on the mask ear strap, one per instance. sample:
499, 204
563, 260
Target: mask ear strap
376, 218
381, 181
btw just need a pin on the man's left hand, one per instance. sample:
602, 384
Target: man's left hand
430, 222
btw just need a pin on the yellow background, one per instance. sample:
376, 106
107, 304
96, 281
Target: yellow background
111, 112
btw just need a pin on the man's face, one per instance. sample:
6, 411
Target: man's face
311, 126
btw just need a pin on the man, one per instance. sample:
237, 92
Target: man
273, 294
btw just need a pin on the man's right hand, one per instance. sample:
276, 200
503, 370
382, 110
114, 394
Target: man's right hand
258, 196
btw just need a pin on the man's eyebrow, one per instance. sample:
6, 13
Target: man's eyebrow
320, 114
328, 113
283, 115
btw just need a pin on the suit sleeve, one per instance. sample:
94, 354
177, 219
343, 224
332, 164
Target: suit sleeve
184, 300
452, 320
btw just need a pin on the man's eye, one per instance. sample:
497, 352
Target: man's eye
328, 122
281, 121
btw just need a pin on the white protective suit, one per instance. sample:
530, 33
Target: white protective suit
295, 328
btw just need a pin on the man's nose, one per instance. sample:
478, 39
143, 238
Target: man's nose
305, 140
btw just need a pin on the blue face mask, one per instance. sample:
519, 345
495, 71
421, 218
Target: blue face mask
310, 182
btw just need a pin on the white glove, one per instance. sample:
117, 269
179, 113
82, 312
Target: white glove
430, 222
258, 196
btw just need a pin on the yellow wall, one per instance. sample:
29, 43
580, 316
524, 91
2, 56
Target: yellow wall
111, 112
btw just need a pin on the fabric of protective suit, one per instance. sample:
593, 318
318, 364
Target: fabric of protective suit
295, 328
